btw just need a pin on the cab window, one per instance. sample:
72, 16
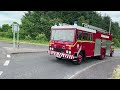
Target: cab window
90, 37
87, 36
79, 36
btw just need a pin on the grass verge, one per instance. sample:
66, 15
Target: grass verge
116, 73
35, 42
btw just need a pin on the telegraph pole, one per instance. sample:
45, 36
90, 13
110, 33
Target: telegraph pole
15, 29
18, 37
110, 26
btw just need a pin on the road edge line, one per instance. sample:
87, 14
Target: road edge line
86, 69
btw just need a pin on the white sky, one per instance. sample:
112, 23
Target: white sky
115, 15
8, 17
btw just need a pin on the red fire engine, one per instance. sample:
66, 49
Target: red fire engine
78, 42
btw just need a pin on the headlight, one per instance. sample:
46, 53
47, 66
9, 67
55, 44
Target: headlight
66, 51
69, 52
52, 48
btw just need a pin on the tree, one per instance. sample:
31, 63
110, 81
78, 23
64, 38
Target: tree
15, 22
82, 20
1, 30
5, 27
39, 22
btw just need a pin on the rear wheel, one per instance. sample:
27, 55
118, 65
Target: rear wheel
79, 59
111, 54
102, 56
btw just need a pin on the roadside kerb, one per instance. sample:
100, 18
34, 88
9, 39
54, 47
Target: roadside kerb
23, 50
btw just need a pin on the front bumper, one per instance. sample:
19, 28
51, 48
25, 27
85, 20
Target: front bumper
58, 54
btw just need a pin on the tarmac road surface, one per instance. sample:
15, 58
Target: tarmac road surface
44, 66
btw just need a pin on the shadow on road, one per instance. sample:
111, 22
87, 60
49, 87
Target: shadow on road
69, 62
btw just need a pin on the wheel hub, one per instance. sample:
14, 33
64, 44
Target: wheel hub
103, 56
79, 58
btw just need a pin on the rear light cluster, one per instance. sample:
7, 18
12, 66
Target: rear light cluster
51, 48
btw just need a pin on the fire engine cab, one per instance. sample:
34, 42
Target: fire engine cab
78, 42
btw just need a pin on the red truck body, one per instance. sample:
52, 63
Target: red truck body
77, 42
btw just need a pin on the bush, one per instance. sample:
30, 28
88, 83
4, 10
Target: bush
41, 37
116, 42
22, 34
2, 34
5, 34
28, 37
9, 34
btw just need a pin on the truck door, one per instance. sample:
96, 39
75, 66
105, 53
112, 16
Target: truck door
88, 44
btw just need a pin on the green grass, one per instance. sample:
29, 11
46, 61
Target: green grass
35, 42
116, 73
5, 39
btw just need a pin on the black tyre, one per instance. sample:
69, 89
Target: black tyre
102, 56
59, 58
111, 54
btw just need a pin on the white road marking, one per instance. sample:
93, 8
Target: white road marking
1, 72
8, 56
110, 78
6, 62
86, 69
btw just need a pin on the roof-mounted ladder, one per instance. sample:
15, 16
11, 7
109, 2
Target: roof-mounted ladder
94, 28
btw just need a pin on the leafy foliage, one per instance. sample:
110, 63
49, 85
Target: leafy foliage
36, 24
41, 37
28, 37
5, 27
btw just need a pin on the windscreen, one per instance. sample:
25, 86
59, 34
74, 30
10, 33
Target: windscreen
63, 35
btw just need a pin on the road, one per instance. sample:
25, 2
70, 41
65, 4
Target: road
44, 66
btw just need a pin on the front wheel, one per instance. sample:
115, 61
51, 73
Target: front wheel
101, 57
79, 59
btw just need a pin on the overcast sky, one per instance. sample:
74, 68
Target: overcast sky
115, 15
7, 17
